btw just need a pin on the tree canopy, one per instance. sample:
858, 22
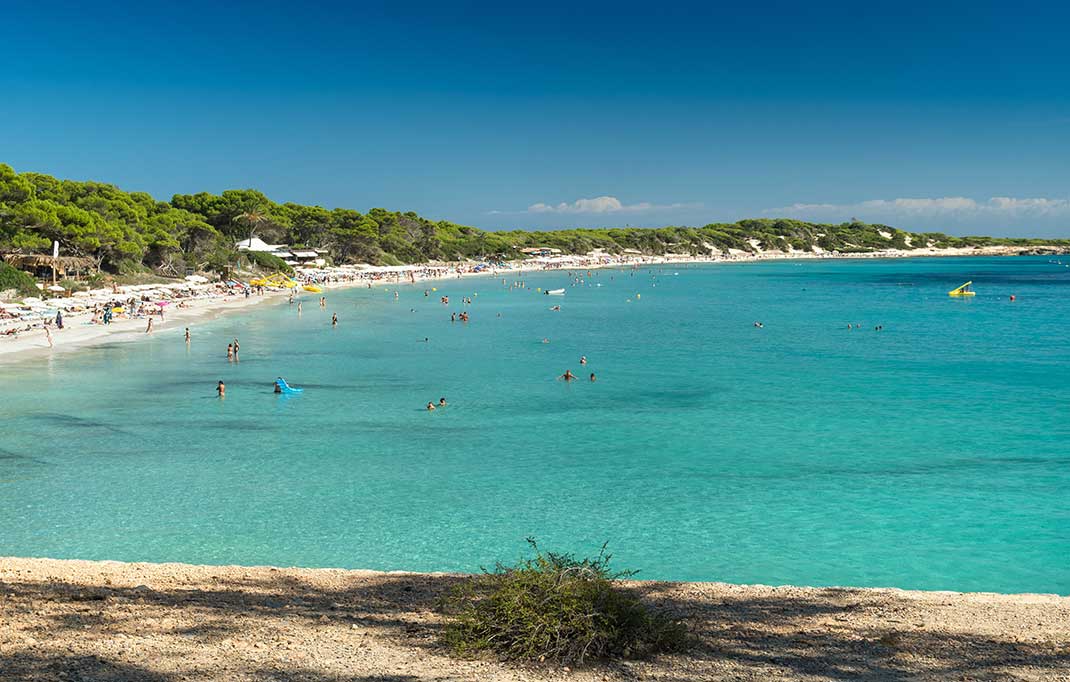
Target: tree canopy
130, 231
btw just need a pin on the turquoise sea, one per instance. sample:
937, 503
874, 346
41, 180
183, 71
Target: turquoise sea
932, 454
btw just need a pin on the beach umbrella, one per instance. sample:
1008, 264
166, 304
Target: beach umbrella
163, 303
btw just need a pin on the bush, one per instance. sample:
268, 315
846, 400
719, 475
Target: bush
268, 261
555, 608
12, 278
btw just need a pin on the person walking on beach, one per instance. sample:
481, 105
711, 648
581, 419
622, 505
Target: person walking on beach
48, 337
148, 329
187, 336
221, 389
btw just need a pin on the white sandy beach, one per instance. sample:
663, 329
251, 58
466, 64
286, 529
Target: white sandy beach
80, 332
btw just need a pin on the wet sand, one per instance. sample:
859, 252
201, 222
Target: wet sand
80, 620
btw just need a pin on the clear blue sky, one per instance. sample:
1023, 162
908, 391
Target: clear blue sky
953, 117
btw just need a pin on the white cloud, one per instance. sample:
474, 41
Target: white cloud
940, 206
604, 204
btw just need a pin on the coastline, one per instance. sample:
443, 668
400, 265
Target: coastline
70, 619
81, 334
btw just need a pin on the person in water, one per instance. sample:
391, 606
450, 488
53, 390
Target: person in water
592, 376
221, 389
230, 351
187, 336
278, 387
235, 349
583, 359
148, 329
334, 319
568, 375
430, 406
441, 402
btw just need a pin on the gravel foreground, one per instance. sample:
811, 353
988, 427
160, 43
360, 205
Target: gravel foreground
110, 621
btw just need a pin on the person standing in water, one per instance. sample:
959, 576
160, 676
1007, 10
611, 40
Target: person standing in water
235, 350
221, 389
298, 307
230, 352
187, 336
568, 375
323, 301
334, 319
148, 329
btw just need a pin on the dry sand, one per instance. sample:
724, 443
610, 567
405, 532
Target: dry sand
80, 620
79, 333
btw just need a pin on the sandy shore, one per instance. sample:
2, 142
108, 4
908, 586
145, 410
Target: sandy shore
80, 620
79, 333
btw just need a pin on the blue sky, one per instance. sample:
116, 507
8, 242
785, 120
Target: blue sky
936, 116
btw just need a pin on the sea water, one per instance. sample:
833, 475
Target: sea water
933, 453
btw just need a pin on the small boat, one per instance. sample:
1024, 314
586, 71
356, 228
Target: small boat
313, 288
963, 290
555, 292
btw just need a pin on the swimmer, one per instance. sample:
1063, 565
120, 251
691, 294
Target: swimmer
430, 406
441, 402
583, 359
546, 340
592, 376
221, 389
568, 375
278, 388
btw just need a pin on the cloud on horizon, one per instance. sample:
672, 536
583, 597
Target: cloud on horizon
601, 205
962, 207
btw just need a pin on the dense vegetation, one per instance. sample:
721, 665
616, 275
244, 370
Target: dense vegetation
555, 608
16, 280
127, 232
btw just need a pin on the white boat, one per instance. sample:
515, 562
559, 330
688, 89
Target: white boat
555, 292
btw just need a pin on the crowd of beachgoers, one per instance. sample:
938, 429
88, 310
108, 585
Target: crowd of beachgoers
50, 317
53, 314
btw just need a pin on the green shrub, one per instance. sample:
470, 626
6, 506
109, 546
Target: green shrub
555, 608
12, 278
268, 261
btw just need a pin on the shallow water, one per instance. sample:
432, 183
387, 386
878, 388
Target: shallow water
933, 454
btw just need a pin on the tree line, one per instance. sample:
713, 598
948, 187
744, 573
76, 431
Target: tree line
129, 232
